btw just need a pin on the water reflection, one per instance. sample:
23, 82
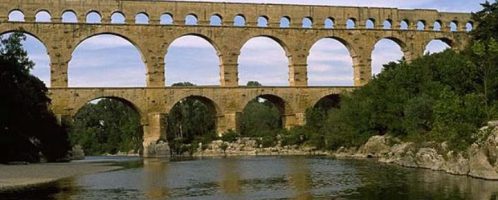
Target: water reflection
155, 173
230, 184
264, 178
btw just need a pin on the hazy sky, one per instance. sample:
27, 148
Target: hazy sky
107, 60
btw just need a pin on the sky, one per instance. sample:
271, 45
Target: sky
110, 61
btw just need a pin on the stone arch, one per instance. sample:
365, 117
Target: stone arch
216, 20
129, 40
262, 21
285, 22
329, 23
404, 24
208, 74
283, 106
351, 23
438, 25
453, 26
330, 63
93, 13
45, 44
370, 23
307, 22
166, 19
387, 24
443, 41
191, 19
118, 17
343, 41
142, 18
239, 20
82, 101
274, 38
330, 100
66, 16
469, 26
377, 66
41, 14
16, 13
421, 25
206, 100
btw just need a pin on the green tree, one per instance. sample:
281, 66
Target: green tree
27, 126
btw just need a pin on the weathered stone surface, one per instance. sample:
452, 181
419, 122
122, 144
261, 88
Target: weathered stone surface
376, 146
479, 164
429, 158
401, 154
456, 163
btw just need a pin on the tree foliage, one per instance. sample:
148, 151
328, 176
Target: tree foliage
108, 126
27, 126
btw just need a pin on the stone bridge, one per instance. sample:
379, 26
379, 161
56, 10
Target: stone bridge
227, 26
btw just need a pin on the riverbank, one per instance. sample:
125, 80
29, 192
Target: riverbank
479, 160
18, 177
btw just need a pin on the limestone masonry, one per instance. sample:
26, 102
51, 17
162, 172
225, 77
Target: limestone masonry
152, 40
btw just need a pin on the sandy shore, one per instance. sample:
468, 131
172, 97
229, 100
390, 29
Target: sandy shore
13, 177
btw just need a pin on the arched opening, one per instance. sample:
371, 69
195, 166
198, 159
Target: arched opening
239, 20
106, 60
403, 25
453, 26
469, 26
421, 25
215, 20
330, 64
93, 17
436, 46
262, 117
263, 59
37, 52
69, 17
192, 59
317, 115
118, 18
191, 121
387, 24
16, 16
262, 21
142, 18
191, 20
385, 51
166, 19
437, 25
351, 23
328, 23
107, 125
370, 24
285, 22
43, 16
307, 22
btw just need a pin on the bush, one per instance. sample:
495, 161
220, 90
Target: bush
230, 136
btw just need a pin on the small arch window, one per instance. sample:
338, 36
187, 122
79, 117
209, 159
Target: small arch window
215, 20
351, 23
239, 20
191, 20
69, 17
387, 24
166, 19
307, 22
141, 18
117, 18
437, 26
370, 24
93, 17
403, 25
469, 26
43, 16
328, 23
420, 25
263, 21
285, 22
16, 16
453, 26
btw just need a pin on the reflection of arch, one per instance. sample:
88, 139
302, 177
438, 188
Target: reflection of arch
123, 100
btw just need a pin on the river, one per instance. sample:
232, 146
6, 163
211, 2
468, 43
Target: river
271, 177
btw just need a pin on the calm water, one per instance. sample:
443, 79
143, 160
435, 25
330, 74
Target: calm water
265, 178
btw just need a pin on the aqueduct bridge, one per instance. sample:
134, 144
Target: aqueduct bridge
410, 29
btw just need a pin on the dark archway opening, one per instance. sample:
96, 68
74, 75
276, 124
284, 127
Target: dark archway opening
262, 119
107, 126
191, 124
